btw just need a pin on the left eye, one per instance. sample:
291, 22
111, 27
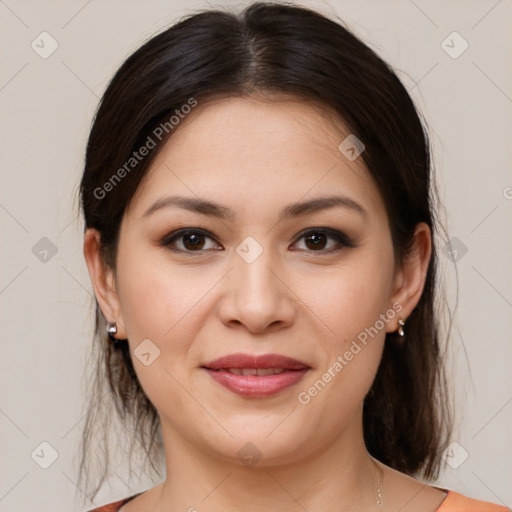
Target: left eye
316, 240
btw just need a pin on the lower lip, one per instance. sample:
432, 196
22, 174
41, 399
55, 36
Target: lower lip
255, 386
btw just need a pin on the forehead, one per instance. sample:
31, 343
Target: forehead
252, 154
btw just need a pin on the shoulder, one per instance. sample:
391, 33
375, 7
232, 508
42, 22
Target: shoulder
455, 502
114, 506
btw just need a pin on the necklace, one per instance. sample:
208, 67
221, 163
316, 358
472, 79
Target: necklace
380, 485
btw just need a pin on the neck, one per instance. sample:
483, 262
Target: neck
339, 475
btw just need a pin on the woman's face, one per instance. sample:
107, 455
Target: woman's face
295, 259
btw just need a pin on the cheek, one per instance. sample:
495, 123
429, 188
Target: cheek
351, 299
160, 303
158, 300
350, 304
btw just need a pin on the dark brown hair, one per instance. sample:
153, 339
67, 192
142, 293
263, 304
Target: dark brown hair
272, 49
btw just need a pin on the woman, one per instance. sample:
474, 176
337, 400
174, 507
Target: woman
259, 232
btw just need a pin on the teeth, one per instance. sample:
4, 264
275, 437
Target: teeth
255, 371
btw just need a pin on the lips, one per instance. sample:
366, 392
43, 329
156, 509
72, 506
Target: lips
256, 376
260, 372
246, 361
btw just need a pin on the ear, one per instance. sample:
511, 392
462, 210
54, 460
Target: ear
103, 281
410, 279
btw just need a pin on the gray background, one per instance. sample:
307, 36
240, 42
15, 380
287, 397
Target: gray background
46, 323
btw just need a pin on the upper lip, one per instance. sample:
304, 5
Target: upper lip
255, 361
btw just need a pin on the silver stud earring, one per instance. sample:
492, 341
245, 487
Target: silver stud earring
400, 329
111, 330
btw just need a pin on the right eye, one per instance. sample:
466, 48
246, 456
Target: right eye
186, 240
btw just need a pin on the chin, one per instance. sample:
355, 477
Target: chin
256, 448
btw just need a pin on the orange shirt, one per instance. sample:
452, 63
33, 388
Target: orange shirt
454, 502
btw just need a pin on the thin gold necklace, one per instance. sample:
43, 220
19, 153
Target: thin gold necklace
380, 485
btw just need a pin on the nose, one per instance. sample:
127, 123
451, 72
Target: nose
256, 295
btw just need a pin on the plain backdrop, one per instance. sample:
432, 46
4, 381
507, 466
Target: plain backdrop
50, 85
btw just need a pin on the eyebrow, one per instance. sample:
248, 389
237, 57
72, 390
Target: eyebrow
212, 209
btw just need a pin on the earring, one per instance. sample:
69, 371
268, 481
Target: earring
111, 330
400, 329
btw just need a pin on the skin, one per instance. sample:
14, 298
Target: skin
256, 156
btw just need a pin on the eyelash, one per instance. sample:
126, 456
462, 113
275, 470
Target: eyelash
341, 239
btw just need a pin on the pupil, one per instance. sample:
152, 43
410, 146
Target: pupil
192, 241
319, 240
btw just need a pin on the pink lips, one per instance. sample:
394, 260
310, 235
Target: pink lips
268, 374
